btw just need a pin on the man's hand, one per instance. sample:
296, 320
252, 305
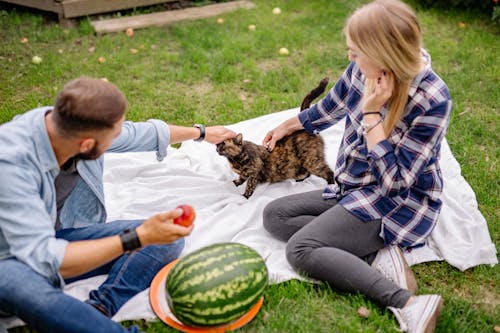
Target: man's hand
217, 134
160, 229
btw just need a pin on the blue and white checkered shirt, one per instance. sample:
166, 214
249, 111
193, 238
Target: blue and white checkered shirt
399, 180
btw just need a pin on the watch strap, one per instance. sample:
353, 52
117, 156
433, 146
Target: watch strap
130, 240
202, 132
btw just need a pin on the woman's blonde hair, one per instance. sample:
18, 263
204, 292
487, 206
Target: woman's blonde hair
389, 34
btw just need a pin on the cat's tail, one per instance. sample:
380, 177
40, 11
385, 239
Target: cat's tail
313, 94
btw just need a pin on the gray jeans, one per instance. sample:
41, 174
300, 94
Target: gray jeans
330, 244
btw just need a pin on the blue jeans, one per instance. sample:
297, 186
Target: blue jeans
44, 307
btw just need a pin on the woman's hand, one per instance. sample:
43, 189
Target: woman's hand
382, 92
160, 229
286, 128
273, 136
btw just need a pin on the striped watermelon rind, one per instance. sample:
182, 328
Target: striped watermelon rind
216, 284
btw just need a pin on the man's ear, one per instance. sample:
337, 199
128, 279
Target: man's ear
87, 145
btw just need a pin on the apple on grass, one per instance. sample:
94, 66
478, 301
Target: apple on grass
187, 217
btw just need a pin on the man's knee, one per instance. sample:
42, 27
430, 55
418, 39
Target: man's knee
20, 286
177, 247
164, 254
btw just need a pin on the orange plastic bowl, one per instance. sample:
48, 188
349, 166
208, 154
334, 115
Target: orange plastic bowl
158, 301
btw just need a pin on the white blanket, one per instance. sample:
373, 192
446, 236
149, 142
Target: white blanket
137, 186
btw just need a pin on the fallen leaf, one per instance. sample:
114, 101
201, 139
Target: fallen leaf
247, 81
91, 49
243, 97
134, 51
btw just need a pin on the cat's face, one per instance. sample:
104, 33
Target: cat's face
230, 147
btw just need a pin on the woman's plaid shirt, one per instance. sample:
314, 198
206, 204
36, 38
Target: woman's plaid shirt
400, 180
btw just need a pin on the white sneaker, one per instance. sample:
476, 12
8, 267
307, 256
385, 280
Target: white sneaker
421, 315
391, 262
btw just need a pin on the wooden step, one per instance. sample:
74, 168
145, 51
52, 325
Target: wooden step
76, 8
168, 17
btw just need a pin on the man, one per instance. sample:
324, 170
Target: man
52, 213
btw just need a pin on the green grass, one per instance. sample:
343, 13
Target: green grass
204, 72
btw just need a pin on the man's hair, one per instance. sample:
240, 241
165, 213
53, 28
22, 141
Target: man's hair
388, 32
86, 104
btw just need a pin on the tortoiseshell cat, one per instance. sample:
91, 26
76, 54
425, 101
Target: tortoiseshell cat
296, 156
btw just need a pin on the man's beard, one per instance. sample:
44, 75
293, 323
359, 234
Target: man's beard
93, 154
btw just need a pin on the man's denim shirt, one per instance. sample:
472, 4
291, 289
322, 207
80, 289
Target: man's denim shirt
28, 167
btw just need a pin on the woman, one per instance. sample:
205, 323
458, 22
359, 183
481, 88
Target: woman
387, 178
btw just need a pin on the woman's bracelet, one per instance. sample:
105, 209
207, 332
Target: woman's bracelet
367, 128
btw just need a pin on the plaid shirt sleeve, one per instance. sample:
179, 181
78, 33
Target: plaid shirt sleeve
331, 109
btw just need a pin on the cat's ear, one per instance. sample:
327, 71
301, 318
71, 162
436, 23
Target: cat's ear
239, 138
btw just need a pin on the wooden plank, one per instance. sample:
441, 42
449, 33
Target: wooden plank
47, 5
75, 8
167, 17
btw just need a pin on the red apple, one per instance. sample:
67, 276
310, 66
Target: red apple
187, 217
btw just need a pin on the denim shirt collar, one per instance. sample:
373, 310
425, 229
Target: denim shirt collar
44, 148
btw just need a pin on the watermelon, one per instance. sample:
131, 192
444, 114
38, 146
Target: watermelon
216, 284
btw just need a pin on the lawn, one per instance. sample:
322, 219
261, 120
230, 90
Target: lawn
205, 72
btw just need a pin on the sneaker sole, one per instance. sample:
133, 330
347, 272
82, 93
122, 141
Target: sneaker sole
431, 324
411, 282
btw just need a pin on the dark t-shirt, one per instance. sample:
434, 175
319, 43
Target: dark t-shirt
65, 183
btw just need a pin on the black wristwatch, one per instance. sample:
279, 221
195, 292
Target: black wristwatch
202, 132
130, 240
